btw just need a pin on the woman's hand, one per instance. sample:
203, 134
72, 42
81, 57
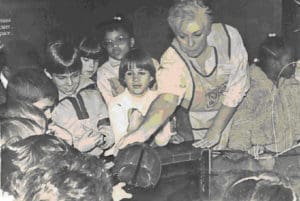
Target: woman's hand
127, 140
256, 150
211, 139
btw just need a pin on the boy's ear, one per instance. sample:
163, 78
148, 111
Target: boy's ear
47, 74
132, 42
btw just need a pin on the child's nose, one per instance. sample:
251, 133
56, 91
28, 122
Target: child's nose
69, 81
135, 77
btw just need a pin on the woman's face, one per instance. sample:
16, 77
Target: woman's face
137, 81
192, 35
117, 43
89, 66
67, 83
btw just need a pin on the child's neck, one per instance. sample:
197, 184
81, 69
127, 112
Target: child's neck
114, 62
138, 95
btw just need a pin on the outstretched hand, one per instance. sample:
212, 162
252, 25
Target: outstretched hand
211, 139
118, 193
127, 140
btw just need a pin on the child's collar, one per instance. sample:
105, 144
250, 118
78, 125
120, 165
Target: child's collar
113, 62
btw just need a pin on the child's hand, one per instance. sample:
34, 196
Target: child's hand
118, 193
108, 136
135, 118
61, 133
89, 140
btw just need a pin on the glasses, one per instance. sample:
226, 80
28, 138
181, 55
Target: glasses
119, 41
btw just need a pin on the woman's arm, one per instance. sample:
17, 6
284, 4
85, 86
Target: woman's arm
160, 110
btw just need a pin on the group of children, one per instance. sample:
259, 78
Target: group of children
91, 108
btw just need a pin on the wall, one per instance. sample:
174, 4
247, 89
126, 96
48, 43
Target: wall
35, 20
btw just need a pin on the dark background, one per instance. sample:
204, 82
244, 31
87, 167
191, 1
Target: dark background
40, 20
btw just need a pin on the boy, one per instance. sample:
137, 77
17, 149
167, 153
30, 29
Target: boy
30, 88
80, 109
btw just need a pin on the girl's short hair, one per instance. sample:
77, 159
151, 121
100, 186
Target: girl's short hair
30, 86
115, 24
62, 57
137, 58
90, 47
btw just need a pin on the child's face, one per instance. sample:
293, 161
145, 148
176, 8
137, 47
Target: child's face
117, 43
67, 83
89, 66
137, 81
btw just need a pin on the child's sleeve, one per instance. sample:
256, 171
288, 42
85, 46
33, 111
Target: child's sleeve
103, 84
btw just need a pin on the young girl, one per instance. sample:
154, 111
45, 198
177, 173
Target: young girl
126, 111
80, 109
118, 40
90, 52
267, 118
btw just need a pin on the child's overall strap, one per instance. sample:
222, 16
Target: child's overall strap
78, 103
228, 40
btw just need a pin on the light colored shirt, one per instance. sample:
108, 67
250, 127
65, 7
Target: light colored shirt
228, 79
108, 79
67, 117
119, 108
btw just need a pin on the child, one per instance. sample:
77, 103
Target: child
80, 109
34, 88
90, 52
15, 129
118, 40
268, 117
126, 111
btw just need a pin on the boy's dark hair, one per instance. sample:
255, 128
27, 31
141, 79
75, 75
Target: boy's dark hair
62, 57
273, 48
90, 47
137, 58
17, 55
30, 86
115, 24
